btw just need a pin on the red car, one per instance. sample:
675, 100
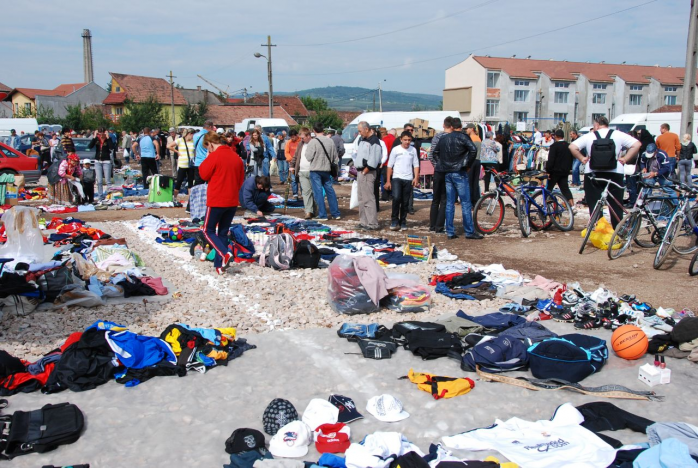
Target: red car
14, 162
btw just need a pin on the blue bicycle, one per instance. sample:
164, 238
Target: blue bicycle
538, 208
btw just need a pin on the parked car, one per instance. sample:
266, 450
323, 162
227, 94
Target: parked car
14, 162
82, 150
25, 142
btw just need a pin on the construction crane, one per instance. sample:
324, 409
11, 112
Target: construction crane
224, 93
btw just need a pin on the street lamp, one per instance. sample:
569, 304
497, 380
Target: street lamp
271, 87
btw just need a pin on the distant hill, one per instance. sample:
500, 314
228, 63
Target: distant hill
358, 99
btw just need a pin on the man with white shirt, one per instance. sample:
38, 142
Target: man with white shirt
403, 174
622, 141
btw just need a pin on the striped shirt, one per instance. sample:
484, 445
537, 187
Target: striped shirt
182, 146
67, 144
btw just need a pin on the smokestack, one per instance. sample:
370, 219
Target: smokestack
87, 55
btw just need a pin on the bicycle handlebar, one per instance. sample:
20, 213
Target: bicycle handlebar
608, 181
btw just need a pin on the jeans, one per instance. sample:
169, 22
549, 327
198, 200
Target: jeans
283, 170
631, 183
401, 189
685, 167
294, 184
265, 167
576, 165
103, 172
320, 180
457, 184
216, 226
661, 181
474, 180
385, 194
437, 216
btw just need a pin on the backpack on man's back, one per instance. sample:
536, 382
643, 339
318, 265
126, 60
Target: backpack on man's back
603, 153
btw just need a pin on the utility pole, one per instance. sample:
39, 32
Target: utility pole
374, 101
271, 86
172, 94
244, 95
380, 98
689, 82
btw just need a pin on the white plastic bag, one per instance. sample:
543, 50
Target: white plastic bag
354, 201
24, 240
273, 168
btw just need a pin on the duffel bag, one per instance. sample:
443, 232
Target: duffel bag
572, 357
500, 354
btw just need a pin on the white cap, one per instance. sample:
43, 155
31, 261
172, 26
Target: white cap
386, 408
319, 412
220, 131
291, 441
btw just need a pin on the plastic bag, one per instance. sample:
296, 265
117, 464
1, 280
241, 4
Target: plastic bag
77, 295
601, 235
354, 201
273, 168
345, 292
408, 299
24, 240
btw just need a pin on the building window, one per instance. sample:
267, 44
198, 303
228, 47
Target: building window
28, 107
117, 89
635, 88
670, 89
119, 110
16, 108
561, 98
595, 116
560, 117
560, 84
635, 100
492, 108
599, 86
598, 98
669, 100
493, 79
521, 83
521, 95
520, 116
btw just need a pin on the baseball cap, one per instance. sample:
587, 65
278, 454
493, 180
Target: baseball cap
291, 441
347, 408
320, 412
332, 438
244, 440
278, 413
386, 408
651, 148
470, 125
172, 129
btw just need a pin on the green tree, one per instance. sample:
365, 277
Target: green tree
23, 113
73, 120
148, 113
79, 118
45, 115
194, 114
108, 86
328, 118
314, 104
440, 106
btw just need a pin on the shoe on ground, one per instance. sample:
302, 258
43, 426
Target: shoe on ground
395, 227
369, 228
403, 226
411, 212
308, 216
475, 236
432, 229
440, 231
226, 260
337, 218
220, 271
322, 219
455, 236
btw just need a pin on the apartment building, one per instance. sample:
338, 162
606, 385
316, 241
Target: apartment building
497, 89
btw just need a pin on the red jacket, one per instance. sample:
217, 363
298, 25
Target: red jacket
225, 173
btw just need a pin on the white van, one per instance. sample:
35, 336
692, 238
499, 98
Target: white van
391, 120
650, 122
28, 126
268, 125
47, 129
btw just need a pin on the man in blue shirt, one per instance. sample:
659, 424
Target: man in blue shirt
147, 153
200, 151
14, 139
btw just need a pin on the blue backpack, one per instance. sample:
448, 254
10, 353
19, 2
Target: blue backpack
501, 354
241, 242
572, 357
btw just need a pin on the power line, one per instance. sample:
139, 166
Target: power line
450, 15
478, 49
352, 97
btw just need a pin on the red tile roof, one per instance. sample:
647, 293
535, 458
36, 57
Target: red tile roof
65, 89
604, 72
229, 115
670, 109
348, 116
139, 88
61, 90
4, 87
292, 104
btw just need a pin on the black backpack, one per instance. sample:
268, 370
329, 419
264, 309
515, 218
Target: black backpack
52, 282
40, 430
433, 345
52, 173
603, 153
306, 255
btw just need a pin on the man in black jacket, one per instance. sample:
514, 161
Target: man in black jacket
454, 155
559, 166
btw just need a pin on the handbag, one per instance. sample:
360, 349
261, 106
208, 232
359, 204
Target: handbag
334, 168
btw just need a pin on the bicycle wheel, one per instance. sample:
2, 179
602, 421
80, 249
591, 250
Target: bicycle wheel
693, 267
623, 235
488, 213
538, 217
686, 241
560, 212
524, 218
666, 243
595, 215
647, 236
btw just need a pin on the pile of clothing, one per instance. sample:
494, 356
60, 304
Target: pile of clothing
107, 351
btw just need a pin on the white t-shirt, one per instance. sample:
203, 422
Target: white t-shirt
403, 161
560, 441
305, 164
623, 142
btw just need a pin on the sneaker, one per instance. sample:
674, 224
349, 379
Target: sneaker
308, 216
394, 227
220, 271
337, 218
226, 260
321, 219
403, 226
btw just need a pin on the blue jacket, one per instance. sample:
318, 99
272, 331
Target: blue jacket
662, 160
248, 194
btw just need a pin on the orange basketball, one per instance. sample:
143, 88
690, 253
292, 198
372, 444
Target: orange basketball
629, 342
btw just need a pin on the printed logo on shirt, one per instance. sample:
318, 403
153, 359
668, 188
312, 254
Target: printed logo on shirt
290, 438
546, 446
249, 440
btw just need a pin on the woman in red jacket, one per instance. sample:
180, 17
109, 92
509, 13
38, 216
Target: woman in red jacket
225, 173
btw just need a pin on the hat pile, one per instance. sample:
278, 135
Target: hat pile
332, 438
291, 441
320, 412
246, 446
347, 409
386, 408
279, 413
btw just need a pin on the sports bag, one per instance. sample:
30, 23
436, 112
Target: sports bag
572, 357
52, 282
237, 233
377, 349
433, 345
40, 430
306, 255
355, 331
277, 252
52, 174
500, 354
603, 153
440, 386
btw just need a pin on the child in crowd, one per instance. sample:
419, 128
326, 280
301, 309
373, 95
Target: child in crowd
403, 174
88, 182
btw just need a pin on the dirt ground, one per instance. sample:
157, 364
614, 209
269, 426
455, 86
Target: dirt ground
552, 254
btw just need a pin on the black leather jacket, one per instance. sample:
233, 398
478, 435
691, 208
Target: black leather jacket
454, 152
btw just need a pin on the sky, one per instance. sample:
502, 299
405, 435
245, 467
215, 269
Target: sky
327, 43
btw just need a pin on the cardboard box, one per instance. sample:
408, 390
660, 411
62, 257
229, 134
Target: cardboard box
11, 195
419, 123
19, 181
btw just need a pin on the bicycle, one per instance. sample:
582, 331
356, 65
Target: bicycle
679, 235
641, 224
488, 212
537, 207
599, 207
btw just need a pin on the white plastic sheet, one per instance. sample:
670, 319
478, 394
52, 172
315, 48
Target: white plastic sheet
354, 200
24, 240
